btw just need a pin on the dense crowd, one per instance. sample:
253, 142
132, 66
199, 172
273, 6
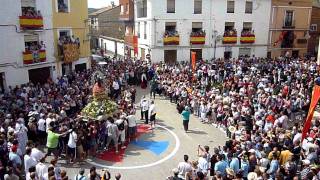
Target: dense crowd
230, 32
257, 104
198, 33
168, 33
34, 46
254, 101
34, 116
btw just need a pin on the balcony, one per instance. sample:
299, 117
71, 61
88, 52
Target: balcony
247, 37
198, 38
230, 37
32, 57
171, 38
31, 23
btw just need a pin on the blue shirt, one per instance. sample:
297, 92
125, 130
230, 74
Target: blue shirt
221, 166
234, 164
15, 159
245, 168
185, 115
274, 166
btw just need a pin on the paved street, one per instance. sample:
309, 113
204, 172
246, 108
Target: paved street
142, 164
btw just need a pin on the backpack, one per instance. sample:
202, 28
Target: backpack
121, 126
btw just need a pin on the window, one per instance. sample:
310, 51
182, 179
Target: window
247, 26
229, 26
196, 26
63, 6
313, 27
145, 30
121, 9
171, 26
197, 6
230, 7
138, 30
142, 9
171, 6
248, 7
288, 21
127, 9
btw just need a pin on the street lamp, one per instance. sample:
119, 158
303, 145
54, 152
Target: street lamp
216, 39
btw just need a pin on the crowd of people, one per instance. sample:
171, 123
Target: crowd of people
173, 33
254, 101
230, 32
247, 32
31, 12
34, 46
198, 33
35, 117
63, 40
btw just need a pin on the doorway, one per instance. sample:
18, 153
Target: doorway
227, 54
198, 54
80, 67
66, 68
170, 57
295, 53
39, 75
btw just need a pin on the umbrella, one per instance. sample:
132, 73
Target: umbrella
102, 63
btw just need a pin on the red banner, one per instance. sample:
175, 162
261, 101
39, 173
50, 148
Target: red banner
135, 45
314, 101
193, 63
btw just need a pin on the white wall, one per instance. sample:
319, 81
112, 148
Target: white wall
12, 46
111, 46
213, 17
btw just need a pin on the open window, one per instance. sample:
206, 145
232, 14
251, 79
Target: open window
32, 43
145, 30
171, 28
247, 27
28, 8
229, 29
63, 6
288, 19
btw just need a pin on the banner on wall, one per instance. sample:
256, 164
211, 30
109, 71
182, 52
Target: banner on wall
314, 101
71, 52
135, 45
193, 63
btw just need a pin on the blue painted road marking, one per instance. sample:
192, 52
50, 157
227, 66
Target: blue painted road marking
157, 147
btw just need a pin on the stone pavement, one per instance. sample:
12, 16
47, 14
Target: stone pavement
167, 117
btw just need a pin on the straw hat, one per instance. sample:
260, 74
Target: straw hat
232, 129
230, 172
252, 176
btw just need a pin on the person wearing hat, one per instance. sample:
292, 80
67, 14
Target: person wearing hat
81, 175
185, 118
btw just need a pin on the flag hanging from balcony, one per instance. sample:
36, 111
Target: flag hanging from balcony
71, 52
135, 45
314, 101
193, 63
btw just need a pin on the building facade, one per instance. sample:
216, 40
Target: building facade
71, 35
169, 30
127, 17
289, 27
313, 43
27, 52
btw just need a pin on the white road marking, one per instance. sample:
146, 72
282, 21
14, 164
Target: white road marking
175, 150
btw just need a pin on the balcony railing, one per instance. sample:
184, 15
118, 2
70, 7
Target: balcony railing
31, 23
247, 37
31, 57
171, 40
201, 39
289, 24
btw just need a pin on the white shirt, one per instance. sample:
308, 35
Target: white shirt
152, 110
72, 140
28, 162
42, 171
42, 124
36, 154
132, 121
183, 168
115, 85
144, 105
203, 164
48, 121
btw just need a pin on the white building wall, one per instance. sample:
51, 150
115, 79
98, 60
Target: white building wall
213, 17
12, 38
111, 45
260, 24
